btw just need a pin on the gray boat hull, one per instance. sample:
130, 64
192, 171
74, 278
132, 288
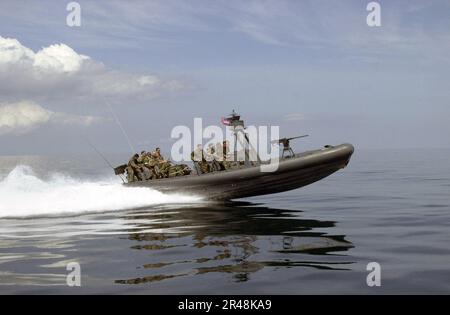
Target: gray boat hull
292, 173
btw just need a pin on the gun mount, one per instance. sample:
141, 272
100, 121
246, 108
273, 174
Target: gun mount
286, 145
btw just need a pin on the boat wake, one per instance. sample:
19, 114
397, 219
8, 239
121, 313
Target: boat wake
24, 194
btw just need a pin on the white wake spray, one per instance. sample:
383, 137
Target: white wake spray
23, 194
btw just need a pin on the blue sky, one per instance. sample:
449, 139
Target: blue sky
310, 66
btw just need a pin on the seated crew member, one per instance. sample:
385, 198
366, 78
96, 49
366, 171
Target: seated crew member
210, 157
134, 169
198, 157
162, 165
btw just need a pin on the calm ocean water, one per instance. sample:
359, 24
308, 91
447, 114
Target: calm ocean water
390, 207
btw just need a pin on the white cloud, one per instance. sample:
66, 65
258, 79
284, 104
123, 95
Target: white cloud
24, 116
58, 58
12, 52
55, 58
58, 71
67, 119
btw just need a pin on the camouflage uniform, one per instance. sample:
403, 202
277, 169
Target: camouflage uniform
179, 170
212, 159
145, 170
226, 154
130, 175
161, 165
133, 169
147, 173
150, 163
200, 164
221, 154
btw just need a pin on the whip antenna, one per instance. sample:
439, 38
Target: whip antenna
103, 157
120, 125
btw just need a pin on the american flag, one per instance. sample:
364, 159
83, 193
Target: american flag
225, 121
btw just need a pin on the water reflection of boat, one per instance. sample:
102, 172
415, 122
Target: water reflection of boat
237, 239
